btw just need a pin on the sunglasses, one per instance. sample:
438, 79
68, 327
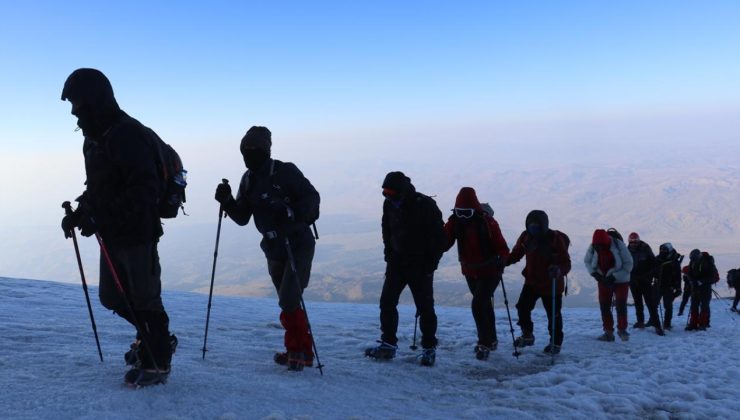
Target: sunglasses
464, 213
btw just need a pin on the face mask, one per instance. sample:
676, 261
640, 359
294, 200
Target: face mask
91, 126
255, 158
534, 230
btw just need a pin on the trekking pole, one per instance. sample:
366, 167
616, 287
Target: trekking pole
508, 314
416, 322
303, 304
722, 299
129, 308
68, 210
213, 271
552, 333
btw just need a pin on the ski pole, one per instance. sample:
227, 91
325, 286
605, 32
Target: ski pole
552, 332
129, 308
68, 210
416, 322
213, 272
291, 261
508, 314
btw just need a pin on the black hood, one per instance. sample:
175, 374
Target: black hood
399, 182
92, 94
539, 217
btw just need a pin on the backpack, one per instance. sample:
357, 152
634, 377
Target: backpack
614, 234
566, 240
487, 209
732, 278
173, 179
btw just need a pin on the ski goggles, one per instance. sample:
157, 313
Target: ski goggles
463, 213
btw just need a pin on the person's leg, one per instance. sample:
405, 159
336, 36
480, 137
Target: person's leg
524, 306
621, 291
392, 288
547, 302
482, 309
605, 304
422, 290
637, 298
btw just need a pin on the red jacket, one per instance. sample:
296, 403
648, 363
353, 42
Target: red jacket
481, 247
552, 250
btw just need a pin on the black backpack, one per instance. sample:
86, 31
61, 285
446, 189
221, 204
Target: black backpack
732, 277
173, 179
614, 234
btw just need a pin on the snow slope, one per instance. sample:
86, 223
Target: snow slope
49, 366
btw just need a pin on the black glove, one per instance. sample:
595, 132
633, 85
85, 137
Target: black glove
281, 211
86, 225
223, 194
610, 280
553, 271
70, 222
597, 276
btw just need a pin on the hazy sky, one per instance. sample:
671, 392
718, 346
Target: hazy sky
328, 77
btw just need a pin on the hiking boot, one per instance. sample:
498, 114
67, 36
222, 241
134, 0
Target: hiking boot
651, 323
281, 358
624, 335
691, 328
133, 356
667, 327
482, 352
139, 377
296, 361
428, 356
659, 331
385, 351
680, 312
733, 310
638, 324
607, 336
552, 349
524, 340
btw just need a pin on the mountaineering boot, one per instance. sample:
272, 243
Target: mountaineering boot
281, 358
552, 349
133, 356
624, 335
385, 351
482, 352
427, 357
296, 361
607, 336
524, 340
138, 377
638, 324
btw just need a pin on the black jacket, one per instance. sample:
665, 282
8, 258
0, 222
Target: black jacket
277, 180
413, 233
123, 183
668, 271
644, 262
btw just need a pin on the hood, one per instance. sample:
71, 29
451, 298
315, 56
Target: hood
90, 87
539, 217
467, 199
398, 182
601, 238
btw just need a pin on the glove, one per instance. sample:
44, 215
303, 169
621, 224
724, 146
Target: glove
281, 211
87, 225
70, 222
610, 280
553, 271
676, 293
597, 276
223, 194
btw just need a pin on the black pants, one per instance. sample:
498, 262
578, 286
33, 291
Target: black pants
642, 291
737, 297
527, 300
701, 296
139, 275
286, 285
422, 290
666, 295
482, 289
685, 297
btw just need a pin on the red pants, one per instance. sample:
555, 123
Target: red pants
619, 291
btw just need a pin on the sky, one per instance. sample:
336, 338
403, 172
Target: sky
374, 86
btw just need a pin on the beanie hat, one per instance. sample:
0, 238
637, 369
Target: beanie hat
668, 247
257, 137
397, 182
695, 253
634, 237
538, 217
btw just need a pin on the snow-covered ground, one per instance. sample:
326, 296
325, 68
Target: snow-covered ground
49, 367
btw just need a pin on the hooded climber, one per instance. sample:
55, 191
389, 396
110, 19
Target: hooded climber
702, 274
413, 243
668, 280
482, 252
609, 262
641, 282
284, 205
547, 261
119, 203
